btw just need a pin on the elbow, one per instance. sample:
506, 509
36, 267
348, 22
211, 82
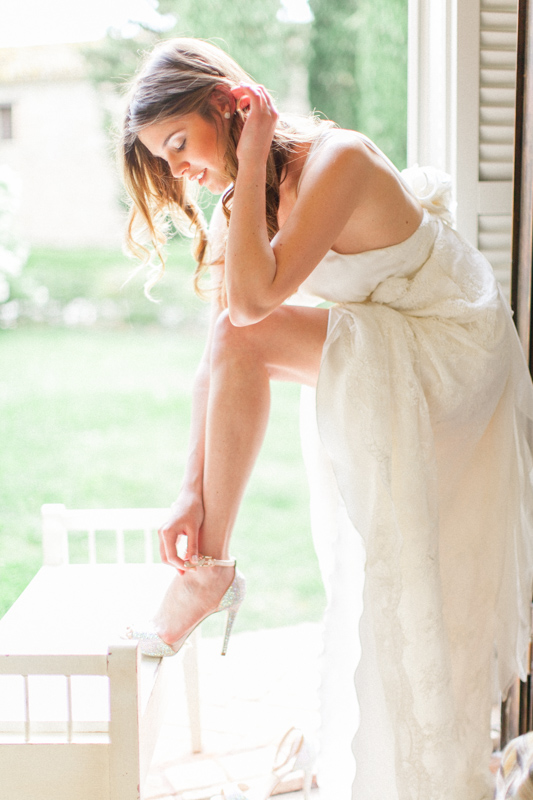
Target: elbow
243, 314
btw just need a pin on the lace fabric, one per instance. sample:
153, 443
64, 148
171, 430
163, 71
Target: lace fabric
423, 473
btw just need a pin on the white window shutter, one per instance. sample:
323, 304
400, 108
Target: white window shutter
497, 86
475, 87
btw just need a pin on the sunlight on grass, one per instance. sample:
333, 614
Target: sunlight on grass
99, 418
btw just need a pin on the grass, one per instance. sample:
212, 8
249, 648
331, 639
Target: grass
99, 418
108, 280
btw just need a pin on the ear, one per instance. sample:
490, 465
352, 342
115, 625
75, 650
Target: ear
223, 100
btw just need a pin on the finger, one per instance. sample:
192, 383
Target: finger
168, 542
162, 548
264, 96
241, 96
259, 94
252, 95
162, 551
239, 91
268, 102
181, 566
192, 546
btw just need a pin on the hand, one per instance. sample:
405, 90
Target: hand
186, 518
260, 123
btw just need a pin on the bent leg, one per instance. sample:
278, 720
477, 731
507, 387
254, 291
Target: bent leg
286, 346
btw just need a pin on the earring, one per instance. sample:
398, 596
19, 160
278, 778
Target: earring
227, 115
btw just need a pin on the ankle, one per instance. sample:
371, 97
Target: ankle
206, 576
223, 560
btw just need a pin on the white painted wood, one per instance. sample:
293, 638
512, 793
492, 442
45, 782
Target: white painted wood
148, 549
124, 756
495, 242
121, 559
113, 518
60, 521
497, 90
78, 609
55, 538
85, 606
494, 195
431, 64
55, 664
153, 712
91, 537
191, 675
474, 43
77, 772
498, 28
467, 109
79, 717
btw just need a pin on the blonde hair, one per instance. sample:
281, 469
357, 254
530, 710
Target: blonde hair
178, 78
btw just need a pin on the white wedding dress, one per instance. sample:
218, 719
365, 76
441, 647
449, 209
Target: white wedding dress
422, 509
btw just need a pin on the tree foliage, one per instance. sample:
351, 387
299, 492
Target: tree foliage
355, 52
382, 73
333, 84
246, 29
358, 68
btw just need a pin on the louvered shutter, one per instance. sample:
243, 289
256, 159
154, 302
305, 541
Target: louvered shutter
462, 60
496, 132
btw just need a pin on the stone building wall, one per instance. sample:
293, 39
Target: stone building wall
53, 136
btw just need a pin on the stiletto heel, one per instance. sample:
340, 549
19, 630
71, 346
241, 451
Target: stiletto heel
232, 613
294, 755
150, 642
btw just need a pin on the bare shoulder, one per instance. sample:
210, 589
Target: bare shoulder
340, 144
346, 176
341, 157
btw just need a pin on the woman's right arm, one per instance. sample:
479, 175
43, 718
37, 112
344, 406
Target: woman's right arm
187, 511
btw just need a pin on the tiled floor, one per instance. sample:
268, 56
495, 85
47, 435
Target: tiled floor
265, 685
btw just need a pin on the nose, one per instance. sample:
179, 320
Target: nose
178, 167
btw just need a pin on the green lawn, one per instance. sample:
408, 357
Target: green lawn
98, 418
107, 279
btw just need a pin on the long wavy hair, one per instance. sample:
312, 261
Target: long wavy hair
178, 77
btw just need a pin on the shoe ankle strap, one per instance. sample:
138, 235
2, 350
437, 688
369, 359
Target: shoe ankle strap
209, 561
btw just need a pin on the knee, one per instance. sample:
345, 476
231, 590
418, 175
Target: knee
231, 342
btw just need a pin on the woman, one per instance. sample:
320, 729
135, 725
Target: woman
422, 401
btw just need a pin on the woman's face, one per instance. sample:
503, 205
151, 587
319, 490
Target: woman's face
192, 146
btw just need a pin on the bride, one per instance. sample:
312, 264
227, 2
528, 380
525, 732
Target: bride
422, 404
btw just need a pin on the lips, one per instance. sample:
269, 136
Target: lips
199, 176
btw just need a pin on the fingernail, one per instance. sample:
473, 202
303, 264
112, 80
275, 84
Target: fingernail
194, 559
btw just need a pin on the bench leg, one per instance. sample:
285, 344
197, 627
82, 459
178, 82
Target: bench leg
190, 670
124, 758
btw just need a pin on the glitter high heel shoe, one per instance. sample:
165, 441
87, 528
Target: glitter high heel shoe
151, 643
294, 756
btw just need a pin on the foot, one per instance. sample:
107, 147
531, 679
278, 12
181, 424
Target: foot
190, 598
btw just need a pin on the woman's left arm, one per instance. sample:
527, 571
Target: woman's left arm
261, 274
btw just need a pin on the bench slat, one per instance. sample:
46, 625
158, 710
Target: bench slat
53, 664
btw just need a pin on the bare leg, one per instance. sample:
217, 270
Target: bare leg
285, 346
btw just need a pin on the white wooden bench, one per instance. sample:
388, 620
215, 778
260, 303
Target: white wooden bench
80, 708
